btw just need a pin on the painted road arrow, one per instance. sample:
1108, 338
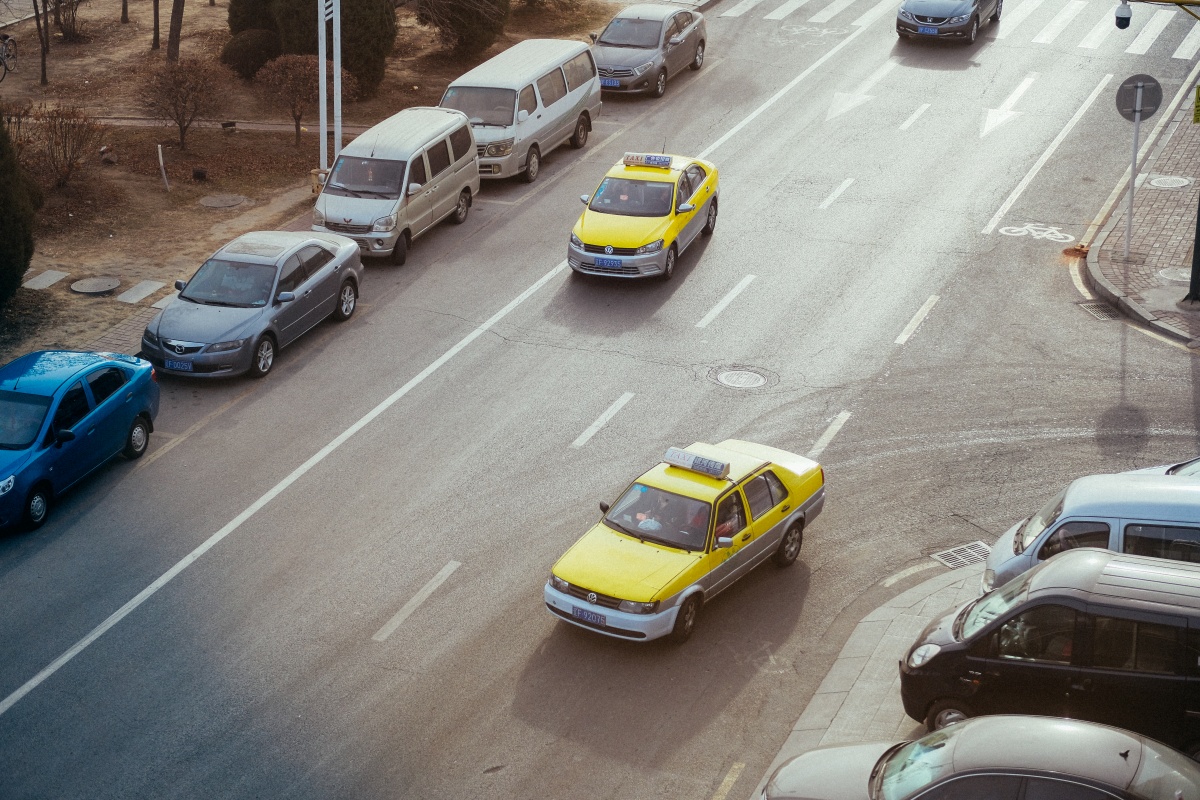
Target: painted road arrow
843, 102
998, 116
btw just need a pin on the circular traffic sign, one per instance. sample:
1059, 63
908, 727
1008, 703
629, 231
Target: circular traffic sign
1127, 96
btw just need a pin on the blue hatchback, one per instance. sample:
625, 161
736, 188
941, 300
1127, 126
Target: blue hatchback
62, 415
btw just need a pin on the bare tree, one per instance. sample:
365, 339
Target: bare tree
293, 83
182, 92
154, 42
176, 30
124, 11
65, 134
42, 21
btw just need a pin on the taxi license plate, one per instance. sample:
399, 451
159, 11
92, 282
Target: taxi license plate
610, 82
924, 29
588, 616
608, 262
182, 366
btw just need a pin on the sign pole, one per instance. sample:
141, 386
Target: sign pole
321, 90
337, 78
1137, 122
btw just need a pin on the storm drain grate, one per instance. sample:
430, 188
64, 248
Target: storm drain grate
1100, 310
963, 555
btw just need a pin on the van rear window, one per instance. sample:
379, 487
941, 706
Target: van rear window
482, 105
579, 70
1163, 541
365, 177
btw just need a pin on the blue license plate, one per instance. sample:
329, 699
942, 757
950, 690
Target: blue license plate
588, 616
924, 29
182, 366
608, 262
610, 82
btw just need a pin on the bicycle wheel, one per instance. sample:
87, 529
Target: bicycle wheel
10, 54
1010, 231
1061, 238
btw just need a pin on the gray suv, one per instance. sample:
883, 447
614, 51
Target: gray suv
644, 45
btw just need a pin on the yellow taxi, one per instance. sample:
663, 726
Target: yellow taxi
643, 215
681, 533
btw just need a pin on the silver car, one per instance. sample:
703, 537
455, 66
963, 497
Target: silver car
255, 295
644, 45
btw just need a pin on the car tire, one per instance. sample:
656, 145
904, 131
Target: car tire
669, 264
996, 14
660, 84
946, 712
347, 301
698, 59
710, 224
974, 33
37, 506
461, 208
533, 165
685, 620
400, 251
789, 546
580, 137
138, 439
263, 357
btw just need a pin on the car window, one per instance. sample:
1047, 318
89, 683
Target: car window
993, 606
672, 27
682, 20
314, 257
1039, 522
632, 198
365, 177
416, 173
1055, 789
103, 382
528, 100
460, 140
758, 493
482, 105
779, 492
1135, 646
696, 176
731, 516
72, 408
682, 190
219, 282
439, 157
916, 765
628, 32
292, 274
1163, 541
1075, 534
1043, 633
1163, 772
21, 418
657, 515
579, 70
975, 787
552, 87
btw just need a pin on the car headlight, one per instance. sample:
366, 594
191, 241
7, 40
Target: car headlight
575, 240
387, 223
989, 580
906, 15
500, 148
224, 347
318, 217
922, 654
149, 337
643, 68
653, 247
6, 485
637, 608
559, 583
957, 20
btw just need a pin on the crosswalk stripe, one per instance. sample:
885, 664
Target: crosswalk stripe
1149, 33
785, 9
741, 8
875, 13
1098, 34
831, 11
1061, 20
1015, 17
1190, 44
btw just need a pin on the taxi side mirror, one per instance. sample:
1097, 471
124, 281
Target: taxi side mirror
685, 208
583, 198
723, 543
604, 507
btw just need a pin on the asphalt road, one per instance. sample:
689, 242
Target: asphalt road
277, 526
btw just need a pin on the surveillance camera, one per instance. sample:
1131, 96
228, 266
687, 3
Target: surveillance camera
1124, 14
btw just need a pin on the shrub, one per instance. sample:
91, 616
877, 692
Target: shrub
467, 26
66, 17
368, 35
294, 83
248, 15
17, 209
247, 51
65, 134
182, 91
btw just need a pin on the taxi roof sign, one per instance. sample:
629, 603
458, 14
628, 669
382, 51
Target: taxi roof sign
683, 459
646, 160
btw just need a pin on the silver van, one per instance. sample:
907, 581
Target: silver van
398, 179
527, 101
1141, 514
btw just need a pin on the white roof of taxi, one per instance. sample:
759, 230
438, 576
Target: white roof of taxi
402, 134
521, 64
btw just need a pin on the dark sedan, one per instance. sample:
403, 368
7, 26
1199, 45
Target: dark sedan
946, 19
645, 45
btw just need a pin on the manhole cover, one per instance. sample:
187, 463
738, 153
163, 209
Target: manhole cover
741, 379
1180, 275
222, 200
964, 555
1100, 310
95, 285
1169, 182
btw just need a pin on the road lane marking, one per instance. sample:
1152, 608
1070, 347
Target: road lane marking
829, 433
996, 117
150, 458
271, 494
830, 11
917, 319
734, 773
1098, 34
418, 598
920, 110
602, 420
904, 573
844, 101
1153, 28
1015, 17
1190, 44
785, 9
741, 8
828, 201
1060, 22
724, 301
1041, 162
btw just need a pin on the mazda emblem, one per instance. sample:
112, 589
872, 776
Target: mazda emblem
179, 349
608, 249
591, 598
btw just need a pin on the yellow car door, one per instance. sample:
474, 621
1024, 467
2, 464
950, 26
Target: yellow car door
731, 525
769, 507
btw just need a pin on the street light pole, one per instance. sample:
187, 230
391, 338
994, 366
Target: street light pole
1137, 121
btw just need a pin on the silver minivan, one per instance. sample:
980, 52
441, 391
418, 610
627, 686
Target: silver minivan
398, 179
526, 101
1139, 514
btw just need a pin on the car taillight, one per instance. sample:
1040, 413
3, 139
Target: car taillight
154, 377
822, 476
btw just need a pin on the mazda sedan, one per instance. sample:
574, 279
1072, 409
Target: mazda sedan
946, 19
645, 45
255, 295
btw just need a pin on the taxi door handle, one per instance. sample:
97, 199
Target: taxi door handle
785, 508
306, 294
745, 537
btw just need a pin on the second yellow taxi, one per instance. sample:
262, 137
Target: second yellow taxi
643, 215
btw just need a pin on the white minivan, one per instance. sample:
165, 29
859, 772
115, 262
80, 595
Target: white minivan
526, 101
398, 179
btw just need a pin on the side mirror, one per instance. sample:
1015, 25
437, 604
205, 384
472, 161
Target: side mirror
413, 188
63, 436
685, 208
593, 37
180, 285
583, 198
522, 115
604, 507
675, 41
285, 297
723, 543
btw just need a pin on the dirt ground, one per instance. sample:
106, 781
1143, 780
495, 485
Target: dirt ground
118, 220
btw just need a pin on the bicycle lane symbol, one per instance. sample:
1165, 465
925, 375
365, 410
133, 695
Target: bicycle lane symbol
1037, 231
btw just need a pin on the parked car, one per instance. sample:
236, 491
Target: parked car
62, 415
645, 45
1184, 469
254, 296
994, 758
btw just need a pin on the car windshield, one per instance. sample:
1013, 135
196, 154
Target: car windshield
977, 615
658, 516
1186, 468
623, 32
231, 283
365, 177
912, 767
629, 198
1039, 522
483, 106
21, 417
1165, 774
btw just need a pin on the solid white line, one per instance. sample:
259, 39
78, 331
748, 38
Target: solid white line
904, 573
1153, 28
1099, 33
829, 433
726, 300
875, 13
908, 122
917, 319
1190, 44
417, 599
741, 8
730, 779
1015, 17
271, 494
1061, 20
836, 193
831, 11
785, 9
602, 420
1041, 162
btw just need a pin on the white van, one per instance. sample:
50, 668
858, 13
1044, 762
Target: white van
527, 101
400, 178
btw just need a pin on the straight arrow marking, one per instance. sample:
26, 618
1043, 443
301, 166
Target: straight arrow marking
843, 102
998, 116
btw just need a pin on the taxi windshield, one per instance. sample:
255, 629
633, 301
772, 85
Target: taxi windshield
630, 198
976, 616
914, 766
21, 418
659, 516
1039, 522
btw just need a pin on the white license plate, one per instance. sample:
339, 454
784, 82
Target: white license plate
182, 366
588, 616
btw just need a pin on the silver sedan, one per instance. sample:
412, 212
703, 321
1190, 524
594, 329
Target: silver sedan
255, 295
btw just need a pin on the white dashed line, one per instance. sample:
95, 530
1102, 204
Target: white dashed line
828, 435
828, 201
602, 420
917, 319
731, 777
412, 605
915, 115
726, 300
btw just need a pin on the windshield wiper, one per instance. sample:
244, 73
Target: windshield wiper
615, 524
224, 303
491, 124
346, 189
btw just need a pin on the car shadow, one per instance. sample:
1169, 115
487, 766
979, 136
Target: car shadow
933, 54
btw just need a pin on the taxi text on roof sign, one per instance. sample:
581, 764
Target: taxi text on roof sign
685, 460
646, 160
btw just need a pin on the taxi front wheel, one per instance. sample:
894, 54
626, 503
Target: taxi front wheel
668, 265
685, 620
